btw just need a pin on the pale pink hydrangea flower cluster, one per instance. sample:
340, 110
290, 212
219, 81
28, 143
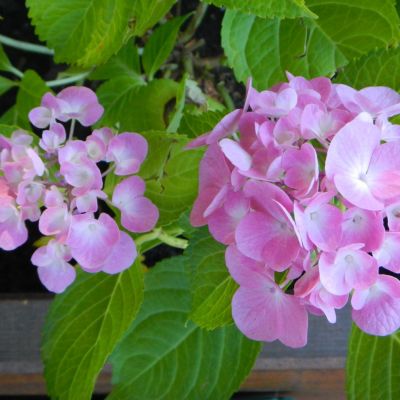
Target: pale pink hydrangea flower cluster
60, 183
299, 185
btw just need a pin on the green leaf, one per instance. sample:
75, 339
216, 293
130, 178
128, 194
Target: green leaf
164, 356
5, 64
373, 69
194, 125
6, 84
125, 62
179, 106
267, 9
85, 32
147, 13
160, 45
373, 366
84, 325
266, 48
31, 89
212, 285
134, 107
176, 190
160, 146
7, 130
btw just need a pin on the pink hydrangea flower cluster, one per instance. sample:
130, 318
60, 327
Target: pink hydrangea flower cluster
59, 184
299, 185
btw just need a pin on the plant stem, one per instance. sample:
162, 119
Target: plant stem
67, 81
225, 96
19, 44
71, 130
163, 237
15, 71
194, 23
108, 170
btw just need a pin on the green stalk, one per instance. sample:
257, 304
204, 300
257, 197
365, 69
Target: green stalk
19, 44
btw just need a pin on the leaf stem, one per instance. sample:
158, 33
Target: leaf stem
225, 96
15, 71
67, 81
19, 44
163, 237
71, 130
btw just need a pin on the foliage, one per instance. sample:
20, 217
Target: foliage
144, 60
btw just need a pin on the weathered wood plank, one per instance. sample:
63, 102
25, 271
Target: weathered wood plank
312, 372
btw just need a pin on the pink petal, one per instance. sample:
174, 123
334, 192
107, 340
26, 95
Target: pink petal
128, 151
79, 103
263, 238
139, 214
236, 154
362, 226
380, 311
90, 240
388, 255
122, 256
349, 268
266, 313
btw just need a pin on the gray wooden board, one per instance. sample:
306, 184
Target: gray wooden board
21, 321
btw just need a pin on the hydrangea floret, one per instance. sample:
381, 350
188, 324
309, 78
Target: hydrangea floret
303, 187
59, 184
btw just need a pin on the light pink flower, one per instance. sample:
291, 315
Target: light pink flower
138, 214
92, 240
54, 271
348, 268
376, 310
366, 173
260, 309
128, 151
80, 103
388, 254
13, 232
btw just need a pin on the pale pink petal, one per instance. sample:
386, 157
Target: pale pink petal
128, 151
122, 256
266, 313
223, 222
362, 226
138, 214
236, 154
388, 255
380, 311
91, 240
262, 237
349, 268
79, 103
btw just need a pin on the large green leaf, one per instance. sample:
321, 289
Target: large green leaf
266, 48
6, 84
373, 69
373, 366
194, 125
267, 9
86, 32
147, 13
134, 107
175, 191
165, 356
160, 45
84, 325
31, 89
212, 285
125, 62
160, 146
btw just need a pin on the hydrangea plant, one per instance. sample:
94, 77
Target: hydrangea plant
269, 202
